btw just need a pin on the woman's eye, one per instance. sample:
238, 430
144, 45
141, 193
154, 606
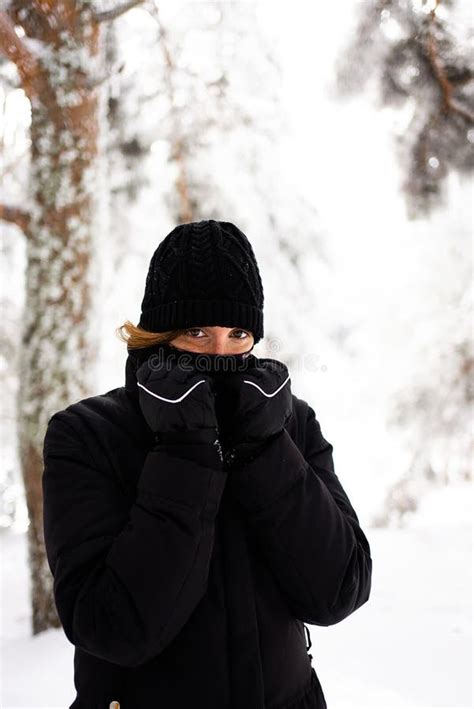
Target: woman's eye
194, 332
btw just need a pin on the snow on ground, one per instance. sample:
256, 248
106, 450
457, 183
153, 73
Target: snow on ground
408, 646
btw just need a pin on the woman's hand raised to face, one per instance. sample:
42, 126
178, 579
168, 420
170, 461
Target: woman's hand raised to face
175, 398
241, 401
255, 404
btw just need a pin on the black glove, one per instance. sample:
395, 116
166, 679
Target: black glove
177, 403
252, 407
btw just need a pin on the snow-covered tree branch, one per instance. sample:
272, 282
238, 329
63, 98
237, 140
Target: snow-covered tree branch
418, 55
114, 12
15, 215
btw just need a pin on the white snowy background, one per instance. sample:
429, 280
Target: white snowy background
390, 285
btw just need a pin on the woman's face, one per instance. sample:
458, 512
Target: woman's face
215, 340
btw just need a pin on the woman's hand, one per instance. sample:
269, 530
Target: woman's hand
177, 403
252, 407
175, 398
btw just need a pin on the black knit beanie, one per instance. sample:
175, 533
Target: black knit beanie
203, 273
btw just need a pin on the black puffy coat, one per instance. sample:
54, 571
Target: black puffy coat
183, 586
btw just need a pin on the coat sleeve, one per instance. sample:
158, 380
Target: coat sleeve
305, 526
126, 578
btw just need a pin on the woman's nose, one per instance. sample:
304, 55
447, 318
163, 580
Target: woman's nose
218, 347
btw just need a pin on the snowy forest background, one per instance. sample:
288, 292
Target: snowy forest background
340, 141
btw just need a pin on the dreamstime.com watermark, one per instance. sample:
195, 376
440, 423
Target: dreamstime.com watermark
204, 362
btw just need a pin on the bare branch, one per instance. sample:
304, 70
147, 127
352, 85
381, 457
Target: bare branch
15, 215
115, 12
439, 72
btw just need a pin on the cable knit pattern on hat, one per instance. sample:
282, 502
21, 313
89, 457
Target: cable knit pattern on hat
203, 273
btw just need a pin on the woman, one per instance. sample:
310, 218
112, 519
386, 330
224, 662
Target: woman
193, 519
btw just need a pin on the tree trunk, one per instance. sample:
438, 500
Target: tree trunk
57, 351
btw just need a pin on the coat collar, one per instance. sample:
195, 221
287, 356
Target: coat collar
134, 359
130, 375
